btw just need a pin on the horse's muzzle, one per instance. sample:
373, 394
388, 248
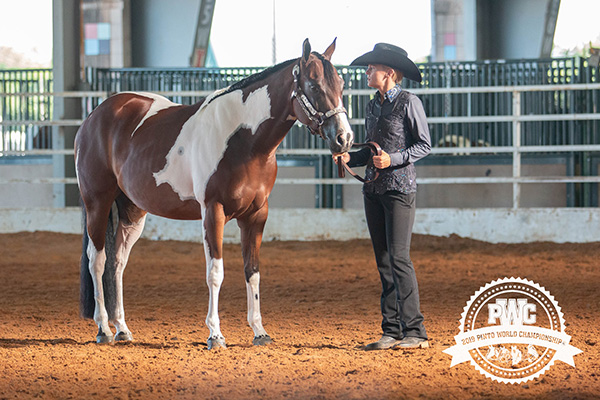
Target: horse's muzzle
339, 134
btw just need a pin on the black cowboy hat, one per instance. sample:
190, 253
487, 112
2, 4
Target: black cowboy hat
392, 56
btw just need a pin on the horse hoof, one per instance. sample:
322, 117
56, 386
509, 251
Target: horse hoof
104, 338
124, 337
262, 340
216, 343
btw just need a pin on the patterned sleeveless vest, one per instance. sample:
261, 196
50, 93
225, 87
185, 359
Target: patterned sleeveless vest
385, 125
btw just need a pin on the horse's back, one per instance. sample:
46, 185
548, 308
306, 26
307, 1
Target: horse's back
121, 115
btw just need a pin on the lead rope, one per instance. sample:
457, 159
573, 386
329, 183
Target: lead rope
375, 150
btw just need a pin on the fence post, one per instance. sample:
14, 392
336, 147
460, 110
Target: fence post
516, 144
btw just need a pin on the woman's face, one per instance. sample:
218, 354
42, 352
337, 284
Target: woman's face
377, 76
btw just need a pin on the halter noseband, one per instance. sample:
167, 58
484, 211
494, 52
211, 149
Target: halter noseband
313, 115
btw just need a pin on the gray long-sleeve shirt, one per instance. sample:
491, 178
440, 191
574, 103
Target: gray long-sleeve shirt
399, 126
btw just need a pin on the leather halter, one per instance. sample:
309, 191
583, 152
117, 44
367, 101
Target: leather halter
319, 119
311, 112
375, 150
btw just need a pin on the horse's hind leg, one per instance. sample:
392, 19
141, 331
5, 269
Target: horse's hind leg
97, 216
129, 230
252, 230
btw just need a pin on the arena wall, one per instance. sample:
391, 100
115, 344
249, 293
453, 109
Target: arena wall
499, 225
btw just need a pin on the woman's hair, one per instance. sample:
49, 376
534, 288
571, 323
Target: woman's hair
398, 75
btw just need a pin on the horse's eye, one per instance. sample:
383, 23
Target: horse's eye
313, 87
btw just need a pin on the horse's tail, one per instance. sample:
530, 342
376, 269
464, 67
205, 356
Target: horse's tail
87, 303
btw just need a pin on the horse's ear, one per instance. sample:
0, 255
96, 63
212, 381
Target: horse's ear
330, 50
305, 50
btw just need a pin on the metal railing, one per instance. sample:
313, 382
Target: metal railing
516, 148
15, 136
446, 75
471, 102
512, 108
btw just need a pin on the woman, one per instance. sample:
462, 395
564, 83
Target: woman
396, 121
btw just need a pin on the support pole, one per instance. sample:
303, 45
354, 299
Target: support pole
66, 70
516, 142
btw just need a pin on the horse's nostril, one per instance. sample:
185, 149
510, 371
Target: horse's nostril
342, 138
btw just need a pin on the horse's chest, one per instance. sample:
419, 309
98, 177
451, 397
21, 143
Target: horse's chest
242, 187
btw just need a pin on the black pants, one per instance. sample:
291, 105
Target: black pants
390, 219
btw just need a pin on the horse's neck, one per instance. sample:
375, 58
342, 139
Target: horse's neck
282, 118
264, 108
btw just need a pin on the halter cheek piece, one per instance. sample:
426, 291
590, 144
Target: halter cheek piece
314, 116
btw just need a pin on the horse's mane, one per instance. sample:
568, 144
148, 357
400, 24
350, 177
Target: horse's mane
259, 76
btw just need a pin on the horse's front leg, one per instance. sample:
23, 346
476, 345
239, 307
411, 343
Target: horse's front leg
251, 234
213, 225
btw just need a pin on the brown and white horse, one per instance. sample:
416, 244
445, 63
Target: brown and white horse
214, 160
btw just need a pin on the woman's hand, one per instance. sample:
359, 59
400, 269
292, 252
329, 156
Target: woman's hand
344, 156
382, 161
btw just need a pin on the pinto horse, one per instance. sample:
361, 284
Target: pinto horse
214, 160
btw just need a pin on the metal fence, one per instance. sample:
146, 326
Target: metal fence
436, 75
25, 97
561, 71
500, 107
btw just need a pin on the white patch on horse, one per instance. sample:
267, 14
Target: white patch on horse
159, 103
253, 294
343, 119
127, 236
203, 140
215, 273
214, 279
77, 168
97, 258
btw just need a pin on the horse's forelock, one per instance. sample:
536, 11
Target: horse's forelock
329, 71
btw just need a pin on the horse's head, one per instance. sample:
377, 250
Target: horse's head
317, 99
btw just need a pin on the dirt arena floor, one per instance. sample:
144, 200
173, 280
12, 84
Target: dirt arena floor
320, 303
